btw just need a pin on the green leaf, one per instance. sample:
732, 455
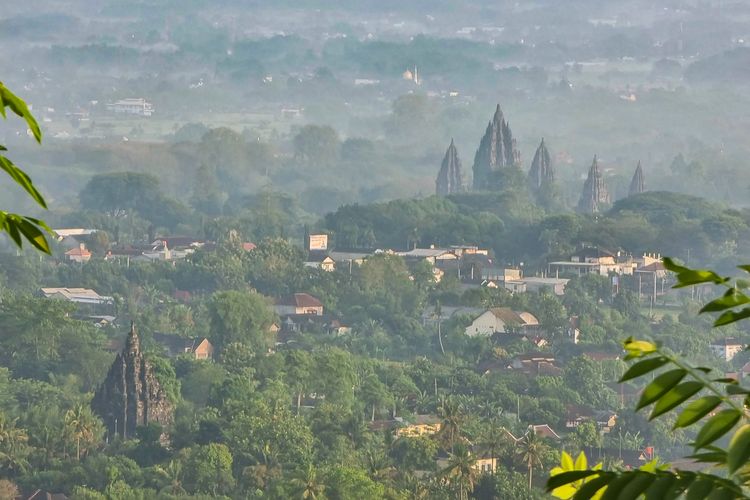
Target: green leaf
716, 427
637, 485
700, 489
697, 410
698, 276
710, 457
590, 487
722, 493
684, 480
643, 367
735, 389
22, 179
676, 396
660, 386
638, 348
566, 462
671, 265
15, 103
568, 477
616, 485
739, 449
659, 489
34, 235
732, 316
732, 298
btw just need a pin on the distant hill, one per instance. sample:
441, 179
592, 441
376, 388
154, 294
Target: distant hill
729, 66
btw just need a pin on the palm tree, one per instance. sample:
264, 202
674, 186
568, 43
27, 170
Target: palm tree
82, 425
13, 445
452, 418
439, 314
172, 473
531, 449
307, 484
462, 472
495, 439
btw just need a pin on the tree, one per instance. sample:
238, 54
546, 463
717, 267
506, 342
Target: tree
210, 469
461, 472
344, 482
307, 485
18, 226
83, 427
13, 446
452, 419
172, 476
240, 316
531, 450
316, 145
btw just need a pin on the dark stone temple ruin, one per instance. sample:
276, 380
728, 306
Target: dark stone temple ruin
131, 395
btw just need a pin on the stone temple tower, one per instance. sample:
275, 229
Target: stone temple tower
595, 196
497, 150
638, 184
450, 178
131, 396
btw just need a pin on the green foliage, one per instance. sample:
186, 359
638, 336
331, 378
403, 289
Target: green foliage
242, 317
20, 227
667, 391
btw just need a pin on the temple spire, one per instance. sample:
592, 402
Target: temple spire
450, 178
595, 196
638, 184
541, 171
497, 150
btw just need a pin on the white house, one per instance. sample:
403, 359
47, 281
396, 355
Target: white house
726, 348
132, 106
501, 320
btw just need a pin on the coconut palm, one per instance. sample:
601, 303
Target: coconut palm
461, 472
452, 418
172, 474
82, 426
307, 484
13, 445
530, 450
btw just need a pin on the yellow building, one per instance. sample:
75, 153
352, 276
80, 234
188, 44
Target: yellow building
423, 425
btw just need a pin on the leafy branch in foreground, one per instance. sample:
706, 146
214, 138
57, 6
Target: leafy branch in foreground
715, 406
18, 226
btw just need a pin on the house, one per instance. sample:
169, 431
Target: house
348, 258
631, 459
79, 255
299, 303
485, 463
555, 285
726, 348
536, 363
544, 431
422, 425
502, 320
199, 347
651, 279
320, 260
132, 106
431, 255
575, 415
63, 233
77, 295
541, 430
594, 260
335, 327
